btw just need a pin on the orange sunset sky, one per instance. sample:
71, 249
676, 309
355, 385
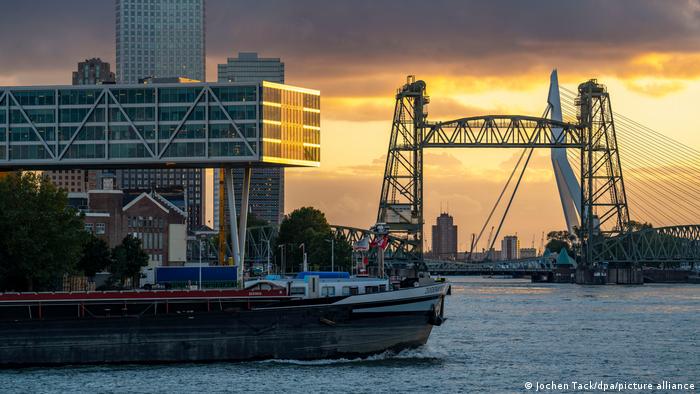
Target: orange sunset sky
477, 57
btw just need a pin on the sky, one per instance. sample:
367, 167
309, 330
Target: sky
477, 57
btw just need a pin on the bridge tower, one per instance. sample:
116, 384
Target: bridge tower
401, 199
603, 199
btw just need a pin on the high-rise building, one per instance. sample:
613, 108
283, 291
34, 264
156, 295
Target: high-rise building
266, 184
444, 237
510, 247
93, 72
162, 39
248, 67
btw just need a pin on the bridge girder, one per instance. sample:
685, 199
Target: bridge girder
502, 131
670, 244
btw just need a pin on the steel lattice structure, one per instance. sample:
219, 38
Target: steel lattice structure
260, 243
398, 249
501, 131
604, 233
652, 245
401, 199
603, 197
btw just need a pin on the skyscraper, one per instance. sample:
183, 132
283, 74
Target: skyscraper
445, 237
266, 184
162, 38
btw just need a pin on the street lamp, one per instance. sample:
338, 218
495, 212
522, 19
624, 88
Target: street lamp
332, 241
303, 252
201, 238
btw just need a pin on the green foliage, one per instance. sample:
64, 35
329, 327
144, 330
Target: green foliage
634, 225
41, 238
127, 260
309, 226
558, 240
96, 256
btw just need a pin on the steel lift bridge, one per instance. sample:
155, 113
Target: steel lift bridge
594, 201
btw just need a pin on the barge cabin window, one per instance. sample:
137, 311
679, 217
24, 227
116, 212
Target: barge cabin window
298, 290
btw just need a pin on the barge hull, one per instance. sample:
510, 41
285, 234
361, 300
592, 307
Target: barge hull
296, 332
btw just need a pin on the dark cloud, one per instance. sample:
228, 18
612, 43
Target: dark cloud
47, 36
331, 36
325, 39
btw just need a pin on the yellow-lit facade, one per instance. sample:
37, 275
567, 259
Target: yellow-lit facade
291, 125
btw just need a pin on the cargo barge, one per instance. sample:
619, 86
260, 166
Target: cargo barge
263, 321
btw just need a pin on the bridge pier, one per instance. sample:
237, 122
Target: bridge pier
603, 275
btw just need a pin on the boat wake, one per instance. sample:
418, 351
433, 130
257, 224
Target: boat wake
422, 354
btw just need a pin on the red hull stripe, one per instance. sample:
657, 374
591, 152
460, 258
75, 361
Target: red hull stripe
141, 295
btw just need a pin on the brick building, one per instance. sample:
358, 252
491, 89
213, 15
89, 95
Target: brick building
159, 223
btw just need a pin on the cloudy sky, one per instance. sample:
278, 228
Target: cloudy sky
477, 57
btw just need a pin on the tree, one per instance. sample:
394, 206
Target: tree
96, 256
41, 238
309, 226
558, 240
634, 225
127, 260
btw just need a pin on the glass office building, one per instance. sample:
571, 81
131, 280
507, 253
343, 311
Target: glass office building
266, 184
202, 125
249, 67
160, 38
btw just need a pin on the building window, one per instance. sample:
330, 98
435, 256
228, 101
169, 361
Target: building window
88, 227
100, 228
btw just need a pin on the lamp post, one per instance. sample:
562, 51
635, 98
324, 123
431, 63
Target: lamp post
201, 238
268, 256
303, 252
332, 241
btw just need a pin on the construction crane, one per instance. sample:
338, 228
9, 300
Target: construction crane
542, 244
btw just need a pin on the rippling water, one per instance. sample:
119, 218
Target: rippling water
499, 335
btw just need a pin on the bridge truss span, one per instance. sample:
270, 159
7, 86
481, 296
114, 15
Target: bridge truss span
499, 131
398, 249
673, 244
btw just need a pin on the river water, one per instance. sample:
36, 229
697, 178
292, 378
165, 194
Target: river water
500, 334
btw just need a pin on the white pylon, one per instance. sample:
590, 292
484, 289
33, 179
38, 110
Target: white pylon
569, 188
